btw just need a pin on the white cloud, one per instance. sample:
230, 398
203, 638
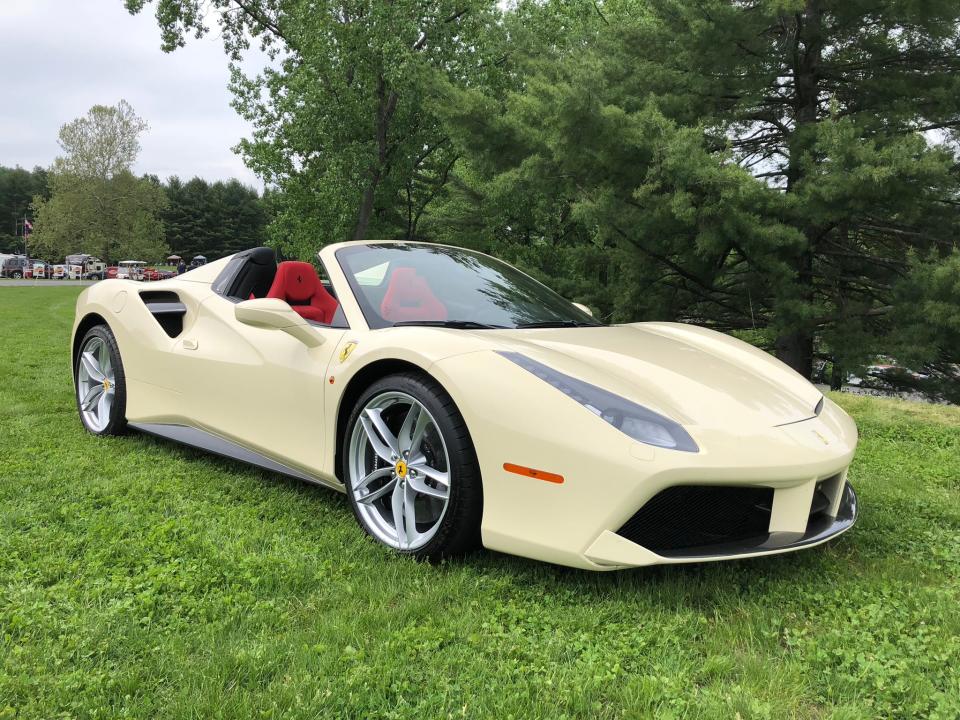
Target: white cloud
60, 57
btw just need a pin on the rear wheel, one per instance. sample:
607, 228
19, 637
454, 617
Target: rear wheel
100, 383
17, 275
410, 469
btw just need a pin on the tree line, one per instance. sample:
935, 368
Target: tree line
90, 201
198, 217
786, 170
18, 188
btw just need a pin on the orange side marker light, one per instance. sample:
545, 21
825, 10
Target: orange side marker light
532, 473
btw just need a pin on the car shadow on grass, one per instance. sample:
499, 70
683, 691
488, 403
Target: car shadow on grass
744, 578
694, 585
232, 467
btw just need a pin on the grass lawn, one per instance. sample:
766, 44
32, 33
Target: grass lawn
142, 579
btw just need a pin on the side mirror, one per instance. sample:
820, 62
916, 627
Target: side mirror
583, 307
275, 313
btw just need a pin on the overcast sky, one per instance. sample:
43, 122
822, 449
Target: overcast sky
60, 57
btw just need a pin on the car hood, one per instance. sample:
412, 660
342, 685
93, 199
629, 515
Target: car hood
696, 376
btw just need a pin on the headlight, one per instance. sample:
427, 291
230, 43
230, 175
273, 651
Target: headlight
629, 418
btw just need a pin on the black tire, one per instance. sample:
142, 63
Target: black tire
459, 530
117, 422
17, 275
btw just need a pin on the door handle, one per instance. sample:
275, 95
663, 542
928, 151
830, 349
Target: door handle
189, 344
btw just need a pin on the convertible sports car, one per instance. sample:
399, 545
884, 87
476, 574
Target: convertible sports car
458, 401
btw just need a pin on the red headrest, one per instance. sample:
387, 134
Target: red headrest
409, 297
297, 283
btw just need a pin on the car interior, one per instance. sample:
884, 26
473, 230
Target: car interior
401, 296
256, 274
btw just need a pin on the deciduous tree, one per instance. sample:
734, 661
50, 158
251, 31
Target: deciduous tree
341, 122
96, 204
102, 143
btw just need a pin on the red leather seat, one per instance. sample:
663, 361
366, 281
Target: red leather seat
297, 284
409, 297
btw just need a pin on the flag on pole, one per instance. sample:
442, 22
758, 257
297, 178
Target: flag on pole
27, 227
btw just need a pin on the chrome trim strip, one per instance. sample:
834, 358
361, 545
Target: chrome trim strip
203, 440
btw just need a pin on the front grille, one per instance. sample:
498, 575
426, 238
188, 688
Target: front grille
689, 516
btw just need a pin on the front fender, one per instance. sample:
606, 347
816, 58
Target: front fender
516, 418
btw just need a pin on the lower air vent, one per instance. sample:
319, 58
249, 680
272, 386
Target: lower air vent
690, 516
166, 309
820, 505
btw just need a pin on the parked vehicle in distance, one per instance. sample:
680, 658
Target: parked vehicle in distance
198, 261
130, 269
59, 272
111, 272
14, 266
40, 271
86, 267
152, 274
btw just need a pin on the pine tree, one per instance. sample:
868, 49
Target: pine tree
778, 166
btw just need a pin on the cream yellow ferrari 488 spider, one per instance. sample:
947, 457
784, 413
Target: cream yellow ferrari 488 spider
457, 401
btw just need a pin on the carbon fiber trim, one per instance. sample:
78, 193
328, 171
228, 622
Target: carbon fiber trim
203, 440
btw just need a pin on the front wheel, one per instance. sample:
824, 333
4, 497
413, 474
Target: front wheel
100, 383
17, 276
410, 468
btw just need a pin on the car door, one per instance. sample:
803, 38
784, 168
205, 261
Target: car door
257, 386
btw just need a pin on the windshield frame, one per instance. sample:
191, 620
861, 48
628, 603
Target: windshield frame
373, 319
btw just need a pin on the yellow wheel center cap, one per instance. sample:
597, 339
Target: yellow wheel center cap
106, 384
401, 468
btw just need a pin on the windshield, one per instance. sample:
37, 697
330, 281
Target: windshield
422, 284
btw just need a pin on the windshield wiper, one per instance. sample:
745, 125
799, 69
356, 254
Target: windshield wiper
557, 324
458, 324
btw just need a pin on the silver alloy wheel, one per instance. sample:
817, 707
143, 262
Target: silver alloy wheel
96, 384
399, 470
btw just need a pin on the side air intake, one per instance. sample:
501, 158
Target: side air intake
167, 310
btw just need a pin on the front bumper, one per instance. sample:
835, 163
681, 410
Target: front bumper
612, 550
608, 476
819, 529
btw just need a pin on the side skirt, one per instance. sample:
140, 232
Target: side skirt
203, 440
